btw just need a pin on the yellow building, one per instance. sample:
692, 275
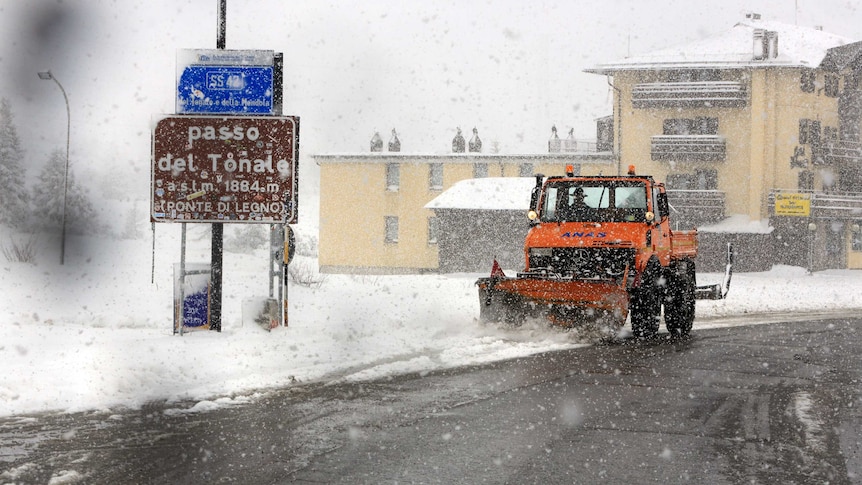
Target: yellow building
744, 117
372, 205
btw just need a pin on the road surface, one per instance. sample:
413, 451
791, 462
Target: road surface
770, 403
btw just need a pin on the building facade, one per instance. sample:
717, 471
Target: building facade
372, 205
753, 122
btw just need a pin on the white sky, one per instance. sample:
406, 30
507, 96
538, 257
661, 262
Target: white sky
508, 67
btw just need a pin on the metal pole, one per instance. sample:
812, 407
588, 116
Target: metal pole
65, 172
180, 322
812, 228
217, 227
45, 76
283, 290
222, 24
217, 250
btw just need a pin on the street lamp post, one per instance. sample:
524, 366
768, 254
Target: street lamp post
812, 227
46, 75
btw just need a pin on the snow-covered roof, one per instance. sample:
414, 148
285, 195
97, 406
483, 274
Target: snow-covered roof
493, 193
797, 47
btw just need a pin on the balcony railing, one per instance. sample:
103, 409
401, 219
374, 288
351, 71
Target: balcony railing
842, 152
570, 145
693, 208
709, 148
715, 94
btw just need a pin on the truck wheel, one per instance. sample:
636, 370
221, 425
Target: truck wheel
646, 302
679, 305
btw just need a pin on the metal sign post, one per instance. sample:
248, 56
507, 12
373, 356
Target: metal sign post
217, 239
289, 249
228, 166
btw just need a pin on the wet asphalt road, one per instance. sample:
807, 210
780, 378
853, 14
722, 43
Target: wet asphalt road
771, 403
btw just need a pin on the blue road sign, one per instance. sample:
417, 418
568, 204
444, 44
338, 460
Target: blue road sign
225, 89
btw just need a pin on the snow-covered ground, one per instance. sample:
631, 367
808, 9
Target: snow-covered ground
96, 333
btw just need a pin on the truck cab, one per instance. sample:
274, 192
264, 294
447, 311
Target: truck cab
588, 227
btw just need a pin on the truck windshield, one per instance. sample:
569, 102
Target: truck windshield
594, 201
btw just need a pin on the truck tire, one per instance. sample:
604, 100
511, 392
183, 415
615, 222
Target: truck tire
679, 306
646, 302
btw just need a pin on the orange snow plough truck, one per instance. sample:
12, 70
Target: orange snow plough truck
601, 248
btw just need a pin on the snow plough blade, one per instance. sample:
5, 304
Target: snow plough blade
718, 291
564, 302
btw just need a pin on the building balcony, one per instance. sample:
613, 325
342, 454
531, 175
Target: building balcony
707, 148
711, 94
838, 152
694, 208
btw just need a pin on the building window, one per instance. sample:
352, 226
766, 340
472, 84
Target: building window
432, 230
480, 170
435, 176
701, 179
393, 176
851, 81
605, 134
806, 180
706, 179
830, 86
856, 236
690, 126
806, 81
526, 170
391, 235
809, 132
835, 238
680, 181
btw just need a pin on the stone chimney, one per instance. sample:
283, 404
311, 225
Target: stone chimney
376, 143
394, 142
475, 144
459, 145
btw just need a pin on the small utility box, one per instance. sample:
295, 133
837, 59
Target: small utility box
191, 297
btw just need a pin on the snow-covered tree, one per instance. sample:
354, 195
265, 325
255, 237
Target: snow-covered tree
14, 207
48, 197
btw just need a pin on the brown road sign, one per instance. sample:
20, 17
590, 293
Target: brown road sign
225, 169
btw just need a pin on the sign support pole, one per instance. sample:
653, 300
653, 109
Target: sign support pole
284, 305
217, 227
222, 24
179, 323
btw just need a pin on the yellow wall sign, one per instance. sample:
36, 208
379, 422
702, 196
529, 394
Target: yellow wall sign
798, 205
